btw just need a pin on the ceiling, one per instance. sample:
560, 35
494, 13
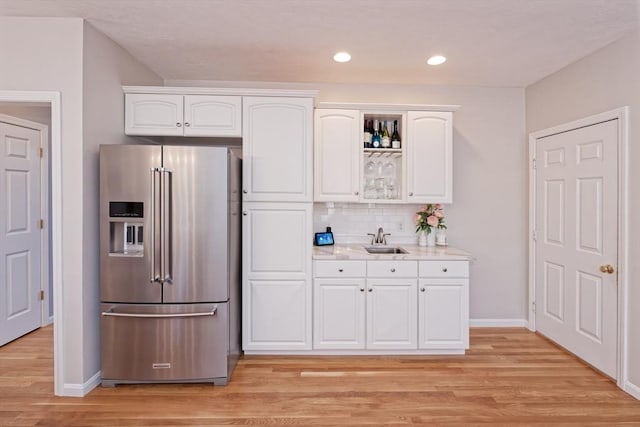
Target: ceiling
507, 43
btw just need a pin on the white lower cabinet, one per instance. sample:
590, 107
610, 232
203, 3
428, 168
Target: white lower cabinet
277, 315
391, 314
388, 306
276, 277
443, 314
339, 312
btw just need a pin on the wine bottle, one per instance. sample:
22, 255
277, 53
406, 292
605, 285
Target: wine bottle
395, 137
385, 140
375, 138
367, 135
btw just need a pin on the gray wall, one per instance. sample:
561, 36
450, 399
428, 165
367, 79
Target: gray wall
488, 216
45, 55
106, 68
603, 81
62, 54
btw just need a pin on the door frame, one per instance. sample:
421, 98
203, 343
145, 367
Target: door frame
53, 99
620, 114
45, 319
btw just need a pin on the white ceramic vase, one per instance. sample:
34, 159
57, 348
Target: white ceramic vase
422, 238
431, 238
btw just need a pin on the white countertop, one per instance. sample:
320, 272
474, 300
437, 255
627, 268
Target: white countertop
357, 252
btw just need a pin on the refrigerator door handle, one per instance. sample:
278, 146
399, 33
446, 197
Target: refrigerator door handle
111, 313
155, 274
166, 261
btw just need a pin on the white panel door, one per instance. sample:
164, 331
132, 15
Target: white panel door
153, 114
429, 146
443, 311
576, 228
337, 141
20, 238
338, 314
392, 314
210, 115
277, 149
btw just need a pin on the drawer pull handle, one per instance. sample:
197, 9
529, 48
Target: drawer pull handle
444, 270
393, 270
340, 270
422, 289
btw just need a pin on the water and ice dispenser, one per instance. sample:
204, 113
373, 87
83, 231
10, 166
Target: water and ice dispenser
126, 229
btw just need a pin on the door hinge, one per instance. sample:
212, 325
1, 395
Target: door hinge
41, 295
41, 224
41, 152
533, 307
535, 236
534, 164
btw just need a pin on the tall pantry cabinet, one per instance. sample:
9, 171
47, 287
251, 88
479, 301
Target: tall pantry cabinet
277, 223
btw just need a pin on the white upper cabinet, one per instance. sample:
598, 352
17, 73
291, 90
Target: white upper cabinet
414, 165
157, 114
206, 115
429, 157
336, 155
277, 149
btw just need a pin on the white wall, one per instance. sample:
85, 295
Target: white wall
488, 216
46, 54
603, 81
106, 68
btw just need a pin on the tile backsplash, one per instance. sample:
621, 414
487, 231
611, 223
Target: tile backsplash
350, 222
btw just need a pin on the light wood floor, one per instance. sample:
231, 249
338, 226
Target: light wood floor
509, 377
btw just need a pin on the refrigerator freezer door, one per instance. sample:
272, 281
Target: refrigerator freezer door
164, 343
196, 242
128, 214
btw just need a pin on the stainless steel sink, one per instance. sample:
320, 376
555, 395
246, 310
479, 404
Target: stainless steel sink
385, 250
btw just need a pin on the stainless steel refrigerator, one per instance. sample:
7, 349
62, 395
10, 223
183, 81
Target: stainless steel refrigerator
169, 263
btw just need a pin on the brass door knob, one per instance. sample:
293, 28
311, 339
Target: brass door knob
607, 268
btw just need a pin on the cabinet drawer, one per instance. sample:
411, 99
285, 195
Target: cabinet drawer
392, 268
444, 269
340, 269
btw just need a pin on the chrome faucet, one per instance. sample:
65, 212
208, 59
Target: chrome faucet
380, 238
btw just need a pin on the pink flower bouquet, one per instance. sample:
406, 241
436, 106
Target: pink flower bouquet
431, 216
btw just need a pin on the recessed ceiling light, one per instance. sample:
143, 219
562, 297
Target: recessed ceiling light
342, 57
436, 60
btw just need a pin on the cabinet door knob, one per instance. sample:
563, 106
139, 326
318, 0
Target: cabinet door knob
356, 193
187, 124
393, 270
178, 124
411, 194
361, 289
340, 270
245, 213
244, 191
444, 270
370, 289
422, 289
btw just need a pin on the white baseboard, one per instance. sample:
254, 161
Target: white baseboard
632, 389
498, 323
81, 390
